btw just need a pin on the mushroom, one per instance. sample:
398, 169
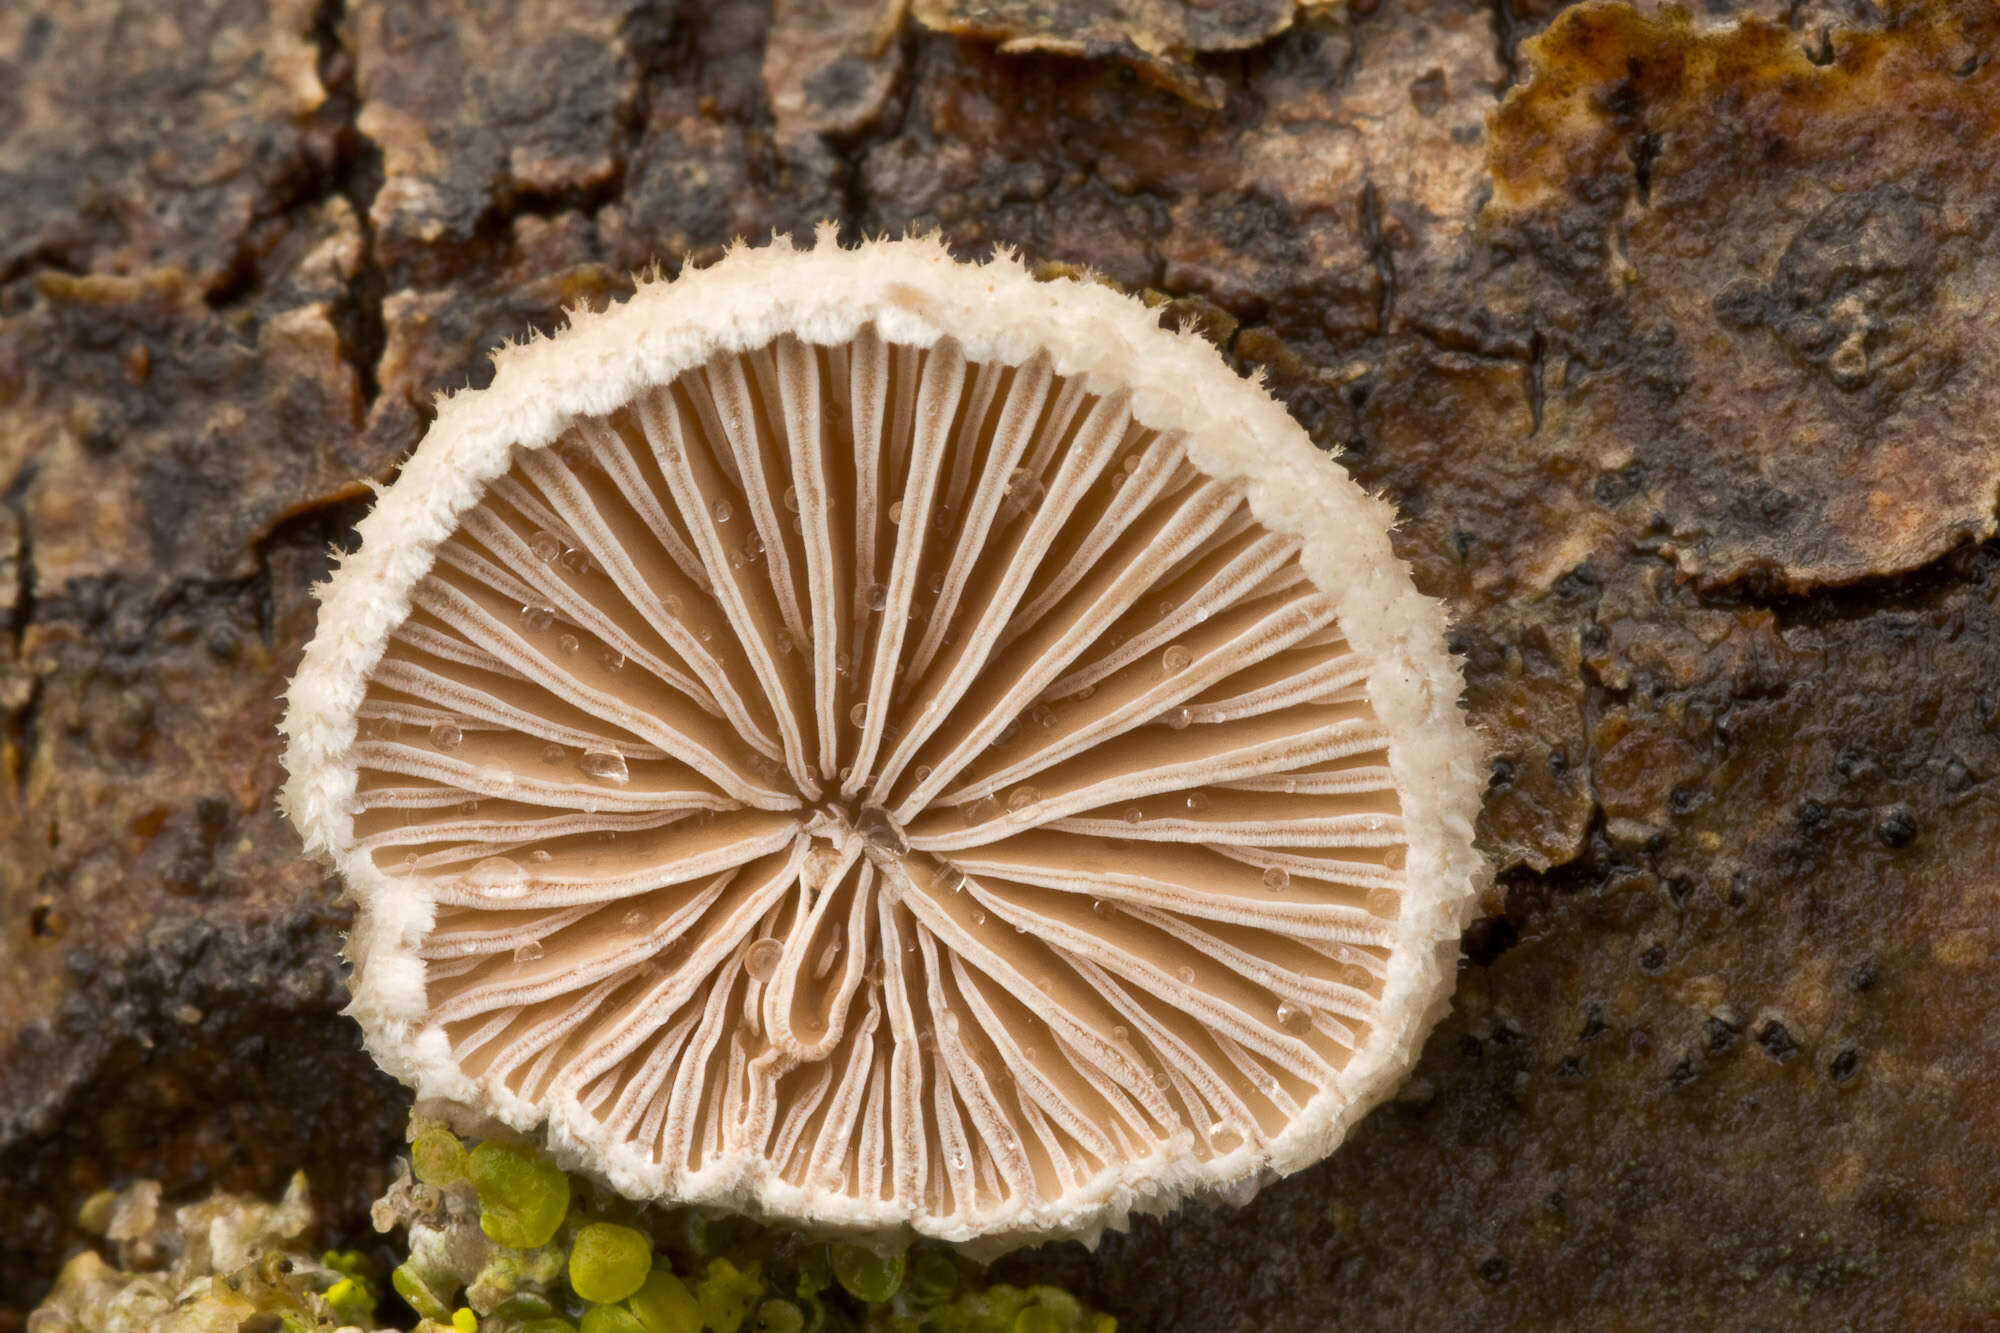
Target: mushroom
890, 744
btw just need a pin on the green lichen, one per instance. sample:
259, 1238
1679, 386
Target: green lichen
779, 1316
500, 1240
666, 1305
610, 1319
727, 1294
865, 1275
523, 1196
438, 1158
609, 1262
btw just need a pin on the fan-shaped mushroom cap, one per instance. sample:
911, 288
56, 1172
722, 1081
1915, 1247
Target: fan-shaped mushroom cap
889, 743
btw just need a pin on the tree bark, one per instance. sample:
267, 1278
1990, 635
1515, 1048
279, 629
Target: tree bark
1672, 341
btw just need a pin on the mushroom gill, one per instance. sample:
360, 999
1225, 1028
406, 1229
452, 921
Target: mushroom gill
888, 743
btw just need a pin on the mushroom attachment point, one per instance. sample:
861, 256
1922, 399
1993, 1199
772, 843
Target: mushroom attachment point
893, 745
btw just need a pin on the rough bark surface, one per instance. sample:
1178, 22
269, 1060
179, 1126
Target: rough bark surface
1672, 340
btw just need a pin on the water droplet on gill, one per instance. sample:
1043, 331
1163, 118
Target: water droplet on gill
1118, 481
875, 970
896, 512
613, 659
843, 663
1021, 798
538, 618
470, 807
493, 778
1179, 719
723, 511
979, 811
858, 714
1009, 733
1224, 1138
576, 562
1175, 659
761, 959
958, 1161
875, 596
446, 736
1396, 857
1129, 465
816, 872
935, 582
1042, 716
880, 831
1120, 1033
1024, 490
1185, 973
672, 605
978, 916
498, 877
783, 640
791, 499
386, 729
1385, 903
798, 525
1134, 815
941, 521
540, 856
1084, 693
569, 643
402, 868
1164, 607
1029, 1053
921, 773
634, 920
1277, 879
950, 878
753, 549
1294, 1018
827, 957
546, 546
1197, 801
704, 633
553, 754
606, 765
528, 953
1100, 907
